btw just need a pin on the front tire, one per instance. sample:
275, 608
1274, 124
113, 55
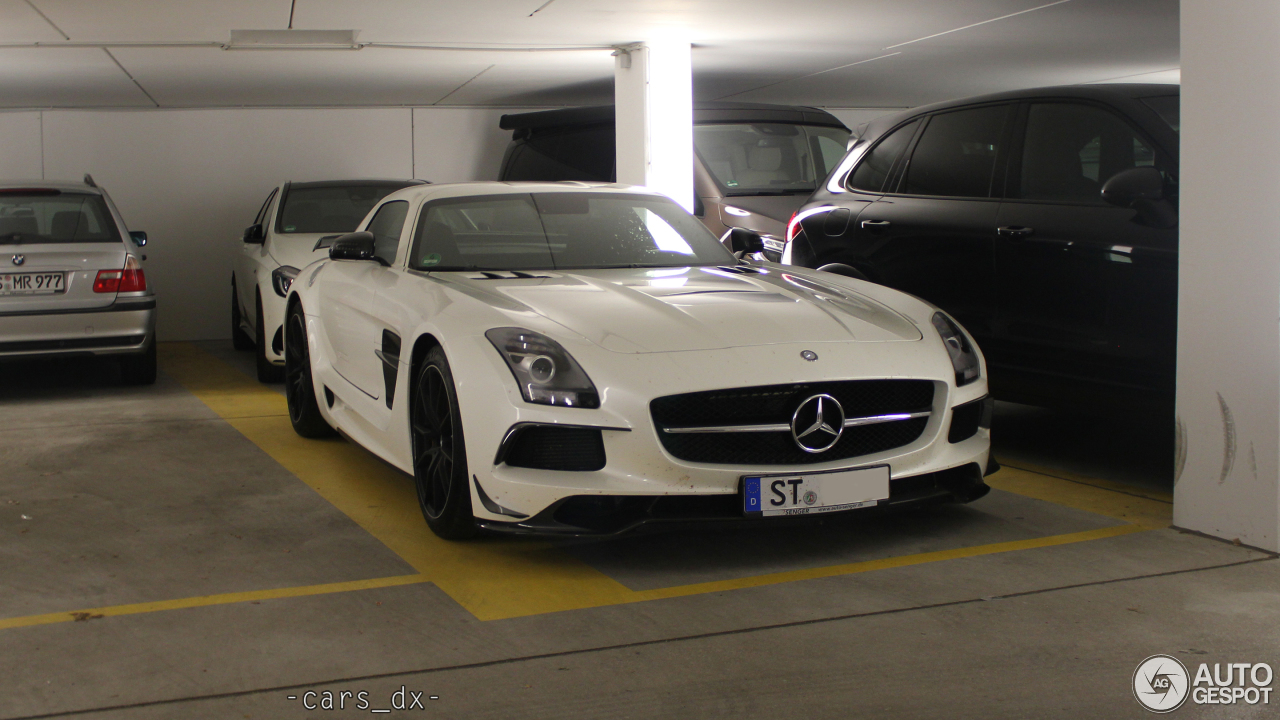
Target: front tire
299, 387
267, 372
439, 451
240, 339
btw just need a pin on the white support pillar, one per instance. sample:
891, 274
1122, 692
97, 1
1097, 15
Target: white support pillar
1228, 466
653, 98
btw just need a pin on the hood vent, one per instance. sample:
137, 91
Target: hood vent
742, 269
507, 275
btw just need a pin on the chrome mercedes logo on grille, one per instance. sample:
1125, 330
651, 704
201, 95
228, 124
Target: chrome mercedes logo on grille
818, 423
19, 259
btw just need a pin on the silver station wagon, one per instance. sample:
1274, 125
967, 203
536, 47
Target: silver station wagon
71, 278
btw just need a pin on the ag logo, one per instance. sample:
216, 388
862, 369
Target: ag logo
1161, 683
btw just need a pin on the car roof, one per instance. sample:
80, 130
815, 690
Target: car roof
470, 189
63, 185
1107, 91
704, 113
368, 182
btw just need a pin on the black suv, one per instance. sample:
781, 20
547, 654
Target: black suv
1044, 220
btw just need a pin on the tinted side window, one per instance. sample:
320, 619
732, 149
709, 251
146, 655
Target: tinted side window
956, 155
1071, 150
876, 166
572, 154
386, 227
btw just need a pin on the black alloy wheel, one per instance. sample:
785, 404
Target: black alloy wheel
439, 452
240, 339
267, 371
299, 388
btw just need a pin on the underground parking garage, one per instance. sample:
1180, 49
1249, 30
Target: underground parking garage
388, 358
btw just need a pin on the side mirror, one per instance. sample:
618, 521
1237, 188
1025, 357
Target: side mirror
1141, 189
254, 235
1126, 188
139, 238
353, 246
746, 242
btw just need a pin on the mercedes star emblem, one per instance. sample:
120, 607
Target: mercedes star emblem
19, 259
817, 423
809, 355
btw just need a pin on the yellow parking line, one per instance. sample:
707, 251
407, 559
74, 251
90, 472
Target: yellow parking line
206, 600
1147, 512
497, 578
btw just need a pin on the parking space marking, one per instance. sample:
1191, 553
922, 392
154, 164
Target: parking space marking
1091, 496
206, 600
499, 578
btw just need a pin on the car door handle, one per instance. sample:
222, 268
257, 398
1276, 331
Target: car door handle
875, 224
1015, 231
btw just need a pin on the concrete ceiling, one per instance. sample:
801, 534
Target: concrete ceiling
835, 53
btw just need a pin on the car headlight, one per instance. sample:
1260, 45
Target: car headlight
545, 372
964, 358
282, 279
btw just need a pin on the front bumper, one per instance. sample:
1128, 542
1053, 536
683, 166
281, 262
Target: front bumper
595, 516
521, 499
124, 327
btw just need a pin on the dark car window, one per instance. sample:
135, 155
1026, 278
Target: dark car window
956, 155
52, 216
1169, 108
1071, 149
330, 208
548, 231
386, 227
876, 166
572, 154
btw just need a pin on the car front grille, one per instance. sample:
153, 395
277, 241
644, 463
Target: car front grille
898, 412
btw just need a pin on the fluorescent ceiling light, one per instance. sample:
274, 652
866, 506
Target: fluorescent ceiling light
293, 39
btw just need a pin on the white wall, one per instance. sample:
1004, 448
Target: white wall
1229, 273
20, 145
193, 179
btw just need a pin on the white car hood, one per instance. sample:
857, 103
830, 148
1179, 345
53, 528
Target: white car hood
679, 309
297, 249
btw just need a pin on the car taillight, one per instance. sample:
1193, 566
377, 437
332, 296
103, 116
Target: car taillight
130, 279
108, 281
134, 279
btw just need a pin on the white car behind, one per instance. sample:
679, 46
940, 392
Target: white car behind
285, 236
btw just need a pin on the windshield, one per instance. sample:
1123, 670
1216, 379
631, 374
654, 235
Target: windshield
561, 231
769, 158
1168, 107
330, 209
52, 216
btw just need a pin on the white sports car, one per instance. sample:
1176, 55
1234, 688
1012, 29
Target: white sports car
567, 358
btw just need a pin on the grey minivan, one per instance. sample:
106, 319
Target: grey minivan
72, 280
754, 164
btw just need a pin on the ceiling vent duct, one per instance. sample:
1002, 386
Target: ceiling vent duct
293, 40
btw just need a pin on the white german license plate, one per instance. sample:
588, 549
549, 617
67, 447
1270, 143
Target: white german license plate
32, 283
812, 493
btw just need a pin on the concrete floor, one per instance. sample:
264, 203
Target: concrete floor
176, 552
